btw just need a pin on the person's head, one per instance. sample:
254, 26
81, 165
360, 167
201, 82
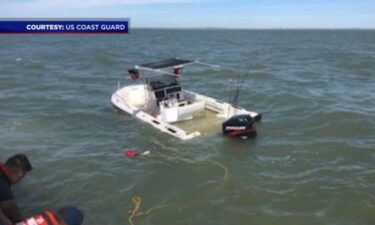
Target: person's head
70, 216
18, 166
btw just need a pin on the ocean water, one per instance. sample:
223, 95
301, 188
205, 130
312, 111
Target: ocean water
312, 163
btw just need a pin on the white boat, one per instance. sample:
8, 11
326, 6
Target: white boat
160, 101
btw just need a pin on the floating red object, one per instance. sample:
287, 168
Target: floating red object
131, 153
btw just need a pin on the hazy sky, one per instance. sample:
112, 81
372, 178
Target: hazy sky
207, 13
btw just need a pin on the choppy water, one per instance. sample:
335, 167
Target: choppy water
312, 163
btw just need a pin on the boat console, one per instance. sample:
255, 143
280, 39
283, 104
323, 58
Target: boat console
169, 96
165, 87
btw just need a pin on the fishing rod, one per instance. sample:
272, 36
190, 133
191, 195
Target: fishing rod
240, 84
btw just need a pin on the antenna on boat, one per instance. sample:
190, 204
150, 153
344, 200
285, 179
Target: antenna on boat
234, 100
207, 64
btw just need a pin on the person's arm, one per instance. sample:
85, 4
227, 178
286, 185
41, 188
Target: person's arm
11, 210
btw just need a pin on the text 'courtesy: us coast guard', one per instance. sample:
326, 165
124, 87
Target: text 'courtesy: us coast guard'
116, 26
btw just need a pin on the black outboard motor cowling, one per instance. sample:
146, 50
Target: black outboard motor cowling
240, 126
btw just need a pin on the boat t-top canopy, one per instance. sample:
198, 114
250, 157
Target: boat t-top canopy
168, 63
174, 62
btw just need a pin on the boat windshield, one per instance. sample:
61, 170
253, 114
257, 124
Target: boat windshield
162, 81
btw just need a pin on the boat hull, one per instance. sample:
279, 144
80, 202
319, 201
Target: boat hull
141, 106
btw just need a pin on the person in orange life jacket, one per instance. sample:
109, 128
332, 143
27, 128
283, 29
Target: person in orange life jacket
12, 172
65, 216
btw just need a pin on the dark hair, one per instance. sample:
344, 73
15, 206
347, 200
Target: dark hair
71, 215
19, 161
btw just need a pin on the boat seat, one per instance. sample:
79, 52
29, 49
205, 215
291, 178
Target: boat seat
179, 112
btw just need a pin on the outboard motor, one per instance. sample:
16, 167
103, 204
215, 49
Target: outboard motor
240, 126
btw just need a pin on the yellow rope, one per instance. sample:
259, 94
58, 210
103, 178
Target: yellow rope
187, 160
137, 200
137, 204
226, 172
154, 208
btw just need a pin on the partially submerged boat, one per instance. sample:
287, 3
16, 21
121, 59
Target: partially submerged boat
160, 101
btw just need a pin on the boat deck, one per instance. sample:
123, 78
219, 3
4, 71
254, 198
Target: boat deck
205, 121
